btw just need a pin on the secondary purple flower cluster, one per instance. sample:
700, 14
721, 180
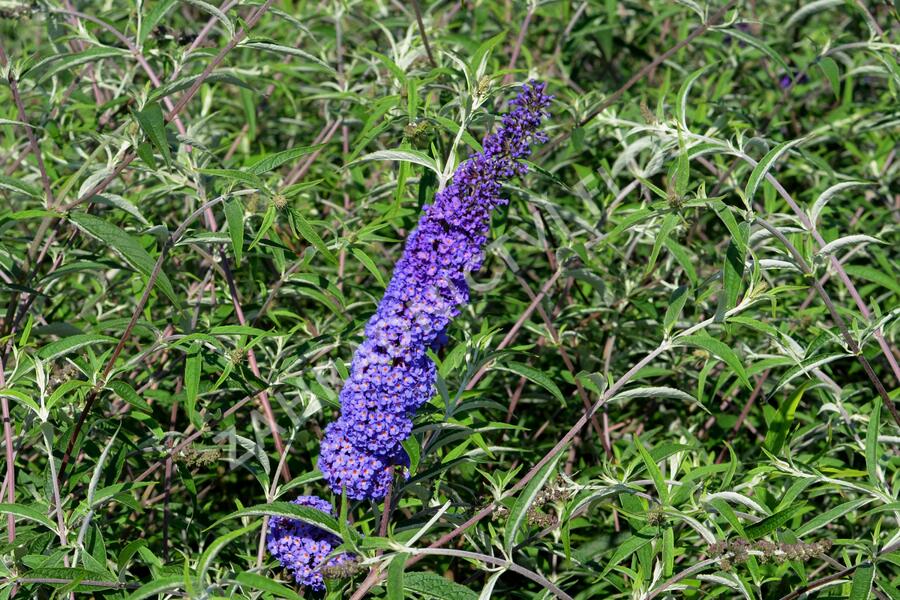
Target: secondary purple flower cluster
391, 375
302, 548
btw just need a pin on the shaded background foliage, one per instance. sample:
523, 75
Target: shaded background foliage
197, 222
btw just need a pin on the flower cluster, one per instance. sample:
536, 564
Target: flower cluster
739, 550
302, 548
391, 375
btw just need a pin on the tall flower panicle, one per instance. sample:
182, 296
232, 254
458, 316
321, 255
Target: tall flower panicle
391, 375
302, 548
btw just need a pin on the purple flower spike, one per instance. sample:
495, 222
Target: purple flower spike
302, 548
391, 375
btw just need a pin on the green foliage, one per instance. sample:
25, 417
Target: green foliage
655, 391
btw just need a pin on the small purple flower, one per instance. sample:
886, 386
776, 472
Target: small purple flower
391, 375
302, 548
787, 81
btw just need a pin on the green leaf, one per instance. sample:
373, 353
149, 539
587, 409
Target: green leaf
305, 229
216, 13
290, 511
395, 577
273, 161
781, 424
861, 585
205, 561
157, 587
480, 57
719, 350
127, 393
732, 277
875, 276
523, 502
236, 175
676, 304
268, 219
629, 547
763, 166
234, 216
258, 582
833, 73
533, 375
752, 40
433, 585
684, 91
772, 522
50, 66
411, 446
369, 264
27, 512
126, 246
308, 59
157, 11
17, 185
653, 469
668, 224
70, 344
823, 519
412, 156
193, 365
153, 123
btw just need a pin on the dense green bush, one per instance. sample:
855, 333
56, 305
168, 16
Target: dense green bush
676, 376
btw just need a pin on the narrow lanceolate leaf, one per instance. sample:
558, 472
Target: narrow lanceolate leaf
153, 124
307, 232
395, 577
658, 392
157, 587
807, 365
291, 511
823, 519
653, 469
412, 156
70, 344
126, 246
676, 304
762, 167
668, 224
732, 277
264, 584
193, 365
683, 92
874, 275
308, 59
535, 376
782, 421
773, 522
629, 547
719, 350
432, 585
827, 195
234, 216
17, 185
861, 585
205, 561
273, 161
524, 501
50, 66
848, 240
30, 513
